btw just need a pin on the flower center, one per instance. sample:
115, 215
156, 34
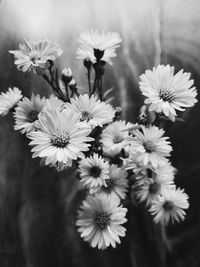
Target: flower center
95, 171
168, 205
102, 219
85, 116
117, 139
154, 188
166, 95
60, 140
32, 116
149, 146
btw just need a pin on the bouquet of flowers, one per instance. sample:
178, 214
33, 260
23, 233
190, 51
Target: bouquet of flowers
117, 162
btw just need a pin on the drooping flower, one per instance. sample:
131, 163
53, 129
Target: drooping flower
167, 92
9, 100
33, 56
94, 42
27, 112
91, 110
60, 138
117, 183
152, 146
94, 171
170, 205
100, 220
114, 136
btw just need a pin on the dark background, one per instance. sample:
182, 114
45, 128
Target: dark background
38, 205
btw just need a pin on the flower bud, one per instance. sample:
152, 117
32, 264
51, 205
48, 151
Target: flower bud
66, 75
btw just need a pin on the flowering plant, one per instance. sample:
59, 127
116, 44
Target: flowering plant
117, 162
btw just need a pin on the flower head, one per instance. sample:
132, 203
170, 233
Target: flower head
117, 183
60, 138
94, 171
114, 136
152, 146
33, 56
99, 221
95, 42
27, 112
91, 110
167, 92
169, 205
9, 99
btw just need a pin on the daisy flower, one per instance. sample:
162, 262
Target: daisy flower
98, 45
91, 110
100, 220
27, 112
150, 188
60, 138
170, 205
113, 137
33, 56
117, 183
9, 100
152, 146
167, 92
53, 102
94, 171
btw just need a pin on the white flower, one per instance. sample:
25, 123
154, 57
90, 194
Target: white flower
170, 205
27, 112
99, 221
113, 137
60, 138
94, 171
167, 92
9, 100
91, 110
117, 183
151, 187
152, 146
100, 41
32, 56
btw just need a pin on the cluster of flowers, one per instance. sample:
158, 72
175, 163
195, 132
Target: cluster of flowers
114, 159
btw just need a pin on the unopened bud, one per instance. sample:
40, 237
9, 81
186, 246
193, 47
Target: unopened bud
66, 75
87, 63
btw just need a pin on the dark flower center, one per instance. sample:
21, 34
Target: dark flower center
85, 116
149, 146
95, 171
117, 139
60, 140
168, 205
32, 116
166, 95
102, 219
154, 188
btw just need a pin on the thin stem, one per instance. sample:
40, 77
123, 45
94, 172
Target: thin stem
89, 81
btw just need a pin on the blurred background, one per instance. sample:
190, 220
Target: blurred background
38, 205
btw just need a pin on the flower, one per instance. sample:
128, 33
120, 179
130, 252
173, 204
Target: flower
60, 138
167, 92
113, 137
91, 110
150, 188
152, 146
99, 221
95, 42
9, 99
33, 56
27, 112
170, 205
53, 102
117, 183
94, 171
